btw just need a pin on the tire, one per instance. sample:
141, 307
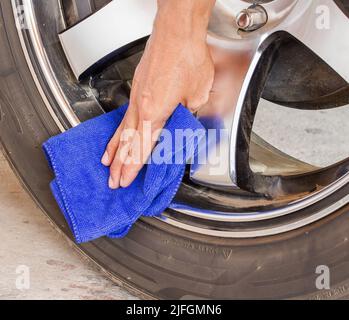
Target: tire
157, 260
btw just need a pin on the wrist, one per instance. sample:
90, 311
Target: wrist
184, 18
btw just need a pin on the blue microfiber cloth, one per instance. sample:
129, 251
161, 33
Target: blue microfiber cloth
80, 187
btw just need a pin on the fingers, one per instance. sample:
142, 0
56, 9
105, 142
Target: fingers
221, 100
118, 162
201, 97
198, 102
112, 147
142, 145
118, 148
129, 122
121, 155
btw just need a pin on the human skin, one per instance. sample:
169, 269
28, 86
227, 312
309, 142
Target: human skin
230, 71
176, 67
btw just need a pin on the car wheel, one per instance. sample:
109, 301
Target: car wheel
261, 235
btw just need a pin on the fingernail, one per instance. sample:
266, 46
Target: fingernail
123, 182
105, 159
112, 184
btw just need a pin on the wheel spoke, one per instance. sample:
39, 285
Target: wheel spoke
216, 165
236, 149
239, 153
115, 26
324, 29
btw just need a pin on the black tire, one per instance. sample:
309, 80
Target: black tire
157, 260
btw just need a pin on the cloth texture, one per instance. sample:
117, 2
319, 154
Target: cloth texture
80, 184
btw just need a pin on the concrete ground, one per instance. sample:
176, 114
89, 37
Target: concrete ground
30, 245
29, 242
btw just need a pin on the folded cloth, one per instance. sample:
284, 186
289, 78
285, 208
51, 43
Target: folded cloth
80, 187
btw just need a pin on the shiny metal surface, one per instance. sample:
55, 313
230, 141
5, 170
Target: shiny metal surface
32, 30
224, 20
302, 22
240, 233
259, 215
102, 34
252, 18
46, 60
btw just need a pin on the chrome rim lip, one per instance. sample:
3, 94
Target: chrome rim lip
275, 213
44, 65
31, 67
202, 214
265, 232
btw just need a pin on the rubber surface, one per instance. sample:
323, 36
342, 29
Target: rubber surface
156, 259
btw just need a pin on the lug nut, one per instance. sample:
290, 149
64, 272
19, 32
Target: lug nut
252, 18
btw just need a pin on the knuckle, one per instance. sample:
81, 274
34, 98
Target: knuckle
127, 124
145, 110
191, 109
126, 135
204, 97
115, 167
146, 114
191, 106
198, 102
194, 105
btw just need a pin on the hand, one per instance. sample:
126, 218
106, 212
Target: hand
176, 68
230, 71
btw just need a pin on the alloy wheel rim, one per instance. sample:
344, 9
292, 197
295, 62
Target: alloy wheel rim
234, 223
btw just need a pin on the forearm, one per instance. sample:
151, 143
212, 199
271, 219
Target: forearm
184, 18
